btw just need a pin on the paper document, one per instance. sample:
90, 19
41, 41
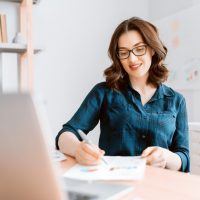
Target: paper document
119, 168
57, 155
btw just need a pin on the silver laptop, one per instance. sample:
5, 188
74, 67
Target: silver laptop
27, 171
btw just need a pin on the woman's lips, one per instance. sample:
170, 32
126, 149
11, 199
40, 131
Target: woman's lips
134, 67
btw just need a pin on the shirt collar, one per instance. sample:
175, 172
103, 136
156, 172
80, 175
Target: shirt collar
160, 93
163, 91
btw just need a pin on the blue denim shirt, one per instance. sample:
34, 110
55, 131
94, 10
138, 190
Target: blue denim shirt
127, 127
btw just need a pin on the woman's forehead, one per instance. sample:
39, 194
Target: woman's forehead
130, 38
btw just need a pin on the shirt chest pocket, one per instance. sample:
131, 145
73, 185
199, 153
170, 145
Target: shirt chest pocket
116, 116
166, 123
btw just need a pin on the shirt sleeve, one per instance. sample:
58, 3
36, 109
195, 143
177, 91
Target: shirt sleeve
180, 144
87, 116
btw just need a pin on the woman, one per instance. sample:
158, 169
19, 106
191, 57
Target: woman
138, 114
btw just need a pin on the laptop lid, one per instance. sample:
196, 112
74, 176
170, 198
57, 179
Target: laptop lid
26, 170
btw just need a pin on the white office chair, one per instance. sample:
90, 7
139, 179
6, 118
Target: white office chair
194, 133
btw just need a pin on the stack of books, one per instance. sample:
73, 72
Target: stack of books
3, 29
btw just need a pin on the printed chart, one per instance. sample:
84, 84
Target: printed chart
119, 168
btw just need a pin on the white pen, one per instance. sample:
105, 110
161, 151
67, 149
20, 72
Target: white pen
84, 137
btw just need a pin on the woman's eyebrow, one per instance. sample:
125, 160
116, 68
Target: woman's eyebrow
135, 45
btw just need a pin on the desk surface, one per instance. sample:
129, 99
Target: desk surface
158, 184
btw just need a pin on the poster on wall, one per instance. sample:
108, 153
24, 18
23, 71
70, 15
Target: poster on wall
181, 35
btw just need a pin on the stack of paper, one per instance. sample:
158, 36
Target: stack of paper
119, 168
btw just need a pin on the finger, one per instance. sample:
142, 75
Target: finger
83, 155
102, 151
92, 150
161, 164
153, 160
85, 161
155, 157
84, 158
88, 157
147, 151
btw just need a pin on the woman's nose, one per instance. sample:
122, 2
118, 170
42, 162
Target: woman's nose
133, 57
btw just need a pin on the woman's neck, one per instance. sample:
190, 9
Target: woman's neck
145, 90
140, 84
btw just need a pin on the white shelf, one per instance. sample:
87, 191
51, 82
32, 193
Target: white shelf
19, 1
25, 52
12, 48
15, 48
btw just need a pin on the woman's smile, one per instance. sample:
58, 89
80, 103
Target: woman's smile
135, 66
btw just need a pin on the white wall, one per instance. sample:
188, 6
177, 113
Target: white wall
158, 12
76, 36
159, 8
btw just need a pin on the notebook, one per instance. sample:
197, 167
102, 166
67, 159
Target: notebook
26, 168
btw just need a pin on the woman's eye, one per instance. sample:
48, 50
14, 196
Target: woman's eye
139, 49
122, 53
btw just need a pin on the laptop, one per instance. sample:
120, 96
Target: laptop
27, 171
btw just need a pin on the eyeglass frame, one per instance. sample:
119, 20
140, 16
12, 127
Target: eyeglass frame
131, 51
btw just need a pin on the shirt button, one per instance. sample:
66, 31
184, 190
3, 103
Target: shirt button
143, 136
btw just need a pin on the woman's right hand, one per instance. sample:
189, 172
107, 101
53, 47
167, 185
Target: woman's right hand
88, 155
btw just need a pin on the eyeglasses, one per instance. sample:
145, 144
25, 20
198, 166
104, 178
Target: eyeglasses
137, 51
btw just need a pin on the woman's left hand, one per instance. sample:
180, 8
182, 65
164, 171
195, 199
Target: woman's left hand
156, 156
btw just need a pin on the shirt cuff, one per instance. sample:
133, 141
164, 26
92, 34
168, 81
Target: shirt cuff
65, 130
185, 167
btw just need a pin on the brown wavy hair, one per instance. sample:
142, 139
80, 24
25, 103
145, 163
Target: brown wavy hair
116, 76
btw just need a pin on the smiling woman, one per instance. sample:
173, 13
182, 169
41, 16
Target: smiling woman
138, 114
137, 64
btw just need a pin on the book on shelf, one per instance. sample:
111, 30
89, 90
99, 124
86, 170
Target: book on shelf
1, 38
3, 29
